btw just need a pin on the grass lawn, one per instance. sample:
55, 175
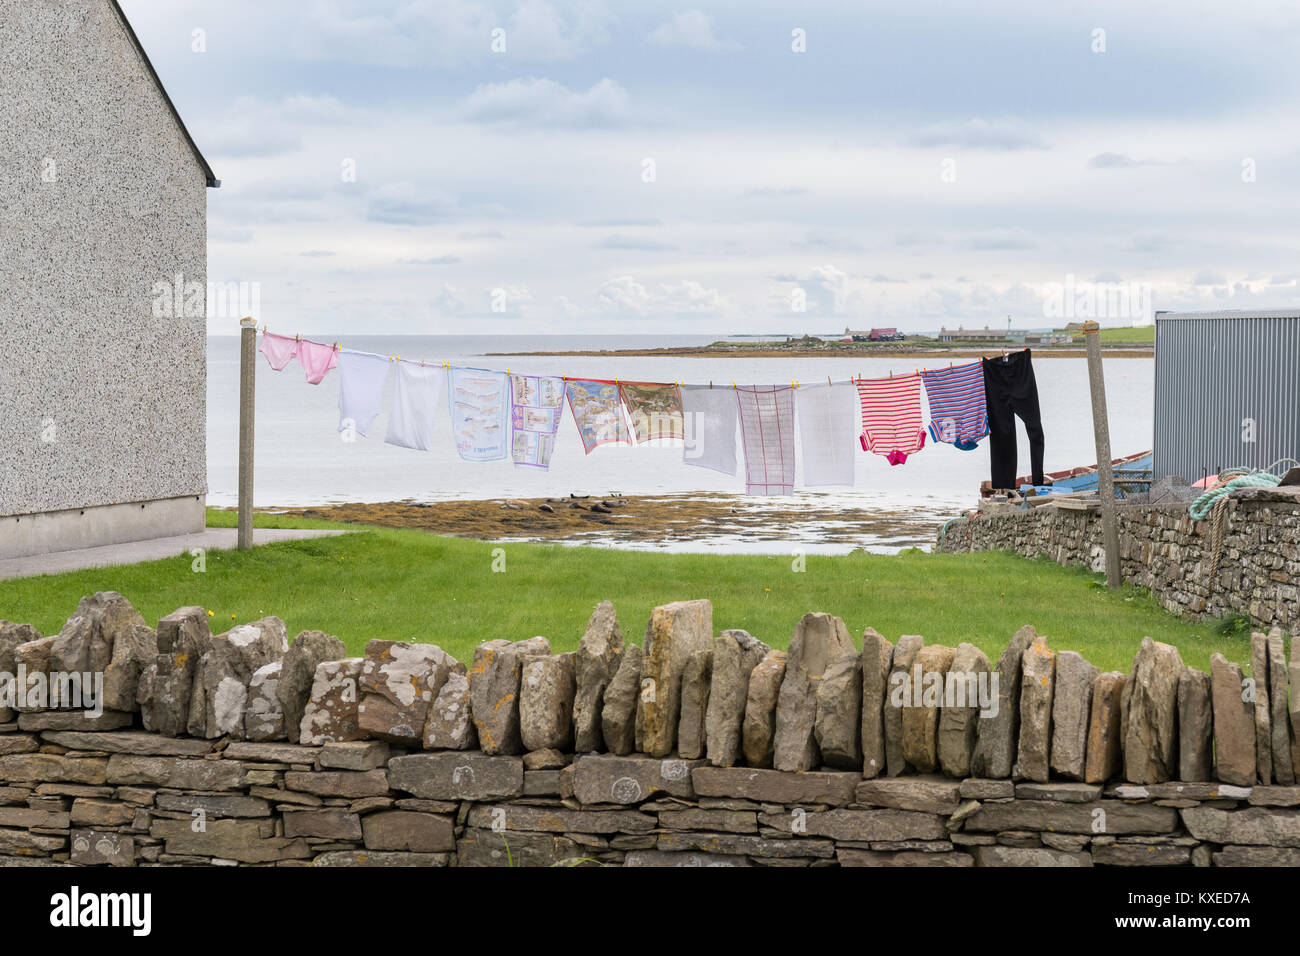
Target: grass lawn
409, 585
1144, 335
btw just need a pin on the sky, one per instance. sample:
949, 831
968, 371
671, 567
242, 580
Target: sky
603, 167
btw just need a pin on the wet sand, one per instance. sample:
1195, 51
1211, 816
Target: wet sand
698, 522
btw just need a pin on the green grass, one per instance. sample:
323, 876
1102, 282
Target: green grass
1141, 335
409, 585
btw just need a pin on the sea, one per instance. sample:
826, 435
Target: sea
301, 460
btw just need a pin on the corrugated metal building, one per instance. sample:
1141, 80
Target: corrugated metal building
1227, 391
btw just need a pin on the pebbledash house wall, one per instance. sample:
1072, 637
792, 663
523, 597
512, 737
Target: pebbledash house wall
1164, 549
102, 197
240, 748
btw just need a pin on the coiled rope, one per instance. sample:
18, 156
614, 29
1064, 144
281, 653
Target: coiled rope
1214, 504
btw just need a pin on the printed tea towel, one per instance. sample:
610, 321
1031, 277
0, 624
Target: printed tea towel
597, 411
655, 410
480, 413
536, 403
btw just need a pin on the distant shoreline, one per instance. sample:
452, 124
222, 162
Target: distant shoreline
778, 351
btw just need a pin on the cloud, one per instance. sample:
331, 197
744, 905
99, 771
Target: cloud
618, 223
546, 103
317, 254
472, 235
254, 127
403, 204
626, 295
692, 29
1005, 134
1120, 161
631, 242
445, 260
768, 192
1205, 277
999, 240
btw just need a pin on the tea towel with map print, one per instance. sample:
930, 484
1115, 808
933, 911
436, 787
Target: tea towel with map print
655, 410
597, 411
480, 413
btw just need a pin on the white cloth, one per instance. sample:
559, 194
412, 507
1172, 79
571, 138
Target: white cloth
480, 413
709, 416
415, 399
767, 429
828, 430
361, 389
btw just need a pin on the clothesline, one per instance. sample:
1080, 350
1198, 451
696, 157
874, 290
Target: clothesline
794, 383
498, 414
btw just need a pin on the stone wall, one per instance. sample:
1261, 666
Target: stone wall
1163, 549
688, 750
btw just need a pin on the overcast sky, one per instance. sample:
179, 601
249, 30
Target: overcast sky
640, 167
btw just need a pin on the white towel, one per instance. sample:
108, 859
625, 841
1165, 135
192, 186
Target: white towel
767, 428
415, 399
828, 429
709, 416
361, 389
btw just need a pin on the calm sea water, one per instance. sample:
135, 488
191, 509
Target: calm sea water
300, 459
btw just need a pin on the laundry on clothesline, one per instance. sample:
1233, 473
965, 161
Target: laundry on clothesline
536, 403
415, 400
598, 412
655, 411
1012, 391
316, 360
709, 417
891, 416
361, 389
958, 407
498, 415
767, 431
480, 413
279, 350
828, 422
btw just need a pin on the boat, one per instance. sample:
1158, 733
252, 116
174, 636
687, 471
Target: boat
1132, 474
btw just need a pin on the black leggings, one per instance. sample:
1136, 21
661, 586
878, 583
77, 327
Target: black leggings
1010, 390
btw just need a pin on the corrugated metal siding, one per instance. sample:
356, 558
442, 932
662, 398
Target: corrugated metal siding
1214, 371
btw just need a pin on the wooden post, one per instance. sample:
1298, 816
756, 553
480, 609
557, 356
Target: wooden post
1105, 473
247, 394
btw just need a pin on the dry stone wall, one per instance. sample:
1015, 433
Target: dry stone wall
1163, 549
243, 748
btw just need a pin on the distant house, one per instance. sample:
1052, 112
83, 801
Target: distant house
874, 335
1017, 336
103, 213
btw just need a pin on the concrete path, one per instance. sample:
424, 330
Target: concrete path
132, 552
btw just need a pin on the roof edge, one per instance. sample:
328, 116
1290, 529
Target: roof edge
210, 177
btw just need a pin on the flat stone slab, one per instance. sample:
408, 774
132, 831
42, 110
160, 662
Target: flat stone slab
74, 720
863, 826
682, 858
1254, 826
354, 858
271, 752
1028, 856
930, 794
773, 786
743, 845
556, 820
458, 775
627, 780
848, 856
1179, 791
1100, 817
1061, 792
139, 742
